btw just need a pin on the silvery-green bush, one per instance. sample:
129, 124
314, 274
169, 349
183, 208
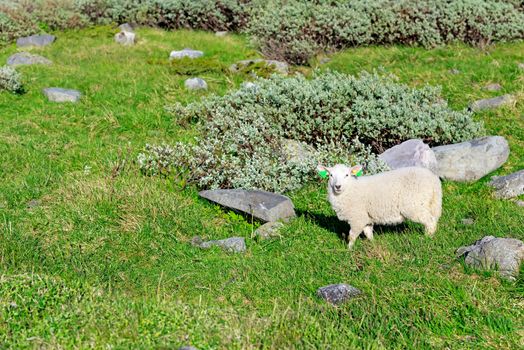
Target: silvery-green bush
272, 135
10, 80
294, 30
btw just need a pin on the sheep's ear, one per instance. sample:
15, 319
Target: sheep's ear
322, 171
356, 171
322, 168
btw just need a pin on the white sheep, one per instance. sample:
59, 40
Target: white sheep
387, 198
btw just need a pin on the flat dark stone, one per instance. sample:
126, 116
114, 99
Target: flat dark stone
35, 40
62, 95
233, 244
265, 206
489, 103
338, 293
508, 186
26, 58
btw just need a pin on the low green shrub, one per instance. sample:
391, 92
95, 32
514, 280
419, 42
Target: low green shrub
10, 80
295, 30
271, 135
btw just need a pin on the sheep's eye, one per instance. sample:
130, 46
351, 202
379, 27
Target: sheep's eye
347, 175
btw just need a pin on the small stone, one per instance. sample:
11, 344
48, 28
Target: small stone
471, 160
325, 60
195, 84
33, 203
494, 102
125, 38
491, 253
338, 293
269, 230
25, 58
186, 53
233, 244
126, 27
493, 87
508, 186
221, 33
519, 203
35, 40
278, 66
262, 205
520, 65
409, 153
187, 347
454, 71
468, 221
62, 95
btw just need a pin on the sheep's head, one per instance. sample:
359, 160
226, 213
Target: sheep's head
340, 176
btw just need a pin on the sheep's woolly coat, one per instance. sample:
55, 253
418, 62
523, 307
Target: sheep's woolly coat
389, 198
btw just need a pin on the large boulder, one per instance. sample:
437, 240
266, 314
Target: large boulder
508, 186
410, 153
232, 245
262, 205
338, 293
62, 95
35, 40
26, 58
125, 38
471, 160
278, 66
185, 53
489, 103
491, 253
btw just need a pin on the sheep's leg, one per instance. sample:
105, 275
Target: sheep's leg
353, 235
368, 231
429, 222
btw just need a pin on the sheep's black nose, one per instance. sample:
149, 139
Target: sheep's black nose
337, 187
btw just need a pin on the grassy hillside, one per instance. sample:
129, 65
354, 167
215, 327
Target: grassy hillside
93, 254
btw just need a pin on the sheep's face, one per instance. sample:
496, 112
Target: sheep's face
339, 177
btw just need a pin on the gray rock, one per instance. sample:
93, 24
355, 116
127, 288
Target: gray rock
26, 58
296, 151
185, 53
126, 27
494, 102
508, 186
325, 60
187, 347
493, 87
454, 71
35, 40
519, 203
221, 33
280, 67
410, 153
471, 160
195, 84
338, 293
265, 206
520, 65
125, 38
468, 221
33, 203
62, 95
491, 253
269, 230
233, 244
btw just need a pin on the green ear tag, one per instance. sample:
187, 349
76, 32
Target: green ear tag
323, 173
357, 171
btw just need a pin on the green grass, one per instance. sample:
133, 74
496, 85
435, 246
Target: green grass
105, 260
